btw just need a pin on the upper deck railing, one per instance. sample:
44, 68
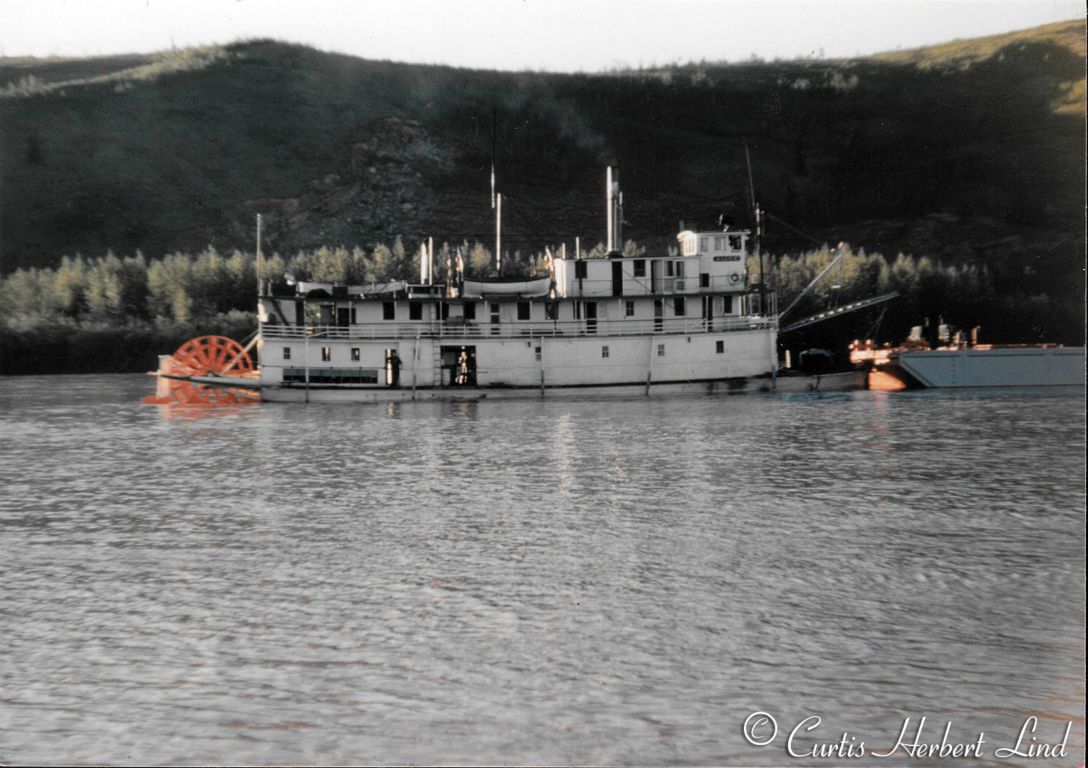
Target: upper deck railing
586, 288
521, 329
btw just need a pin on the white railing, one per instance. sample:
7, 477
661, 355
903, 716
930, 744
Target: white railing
523, 329
585, 288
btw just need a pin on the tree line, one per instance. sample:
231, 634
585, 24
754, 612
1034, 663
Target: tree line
127, 309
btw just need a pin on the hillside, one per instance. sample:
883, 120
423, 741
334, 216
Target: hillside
970, 151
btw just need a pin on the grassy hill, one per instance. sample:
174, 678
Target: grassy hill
969, 151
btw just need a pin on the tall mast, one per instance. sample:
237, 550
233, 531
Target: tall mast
259, 220
494, 113
498, 233
757, 231
496, 197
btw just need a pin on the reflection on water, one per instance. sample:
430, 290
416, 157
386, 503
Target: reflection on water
533, 581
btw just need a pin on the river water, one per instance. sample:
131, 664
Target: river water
606, 582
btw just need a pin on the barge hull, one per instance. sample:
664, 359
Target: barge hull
996, 367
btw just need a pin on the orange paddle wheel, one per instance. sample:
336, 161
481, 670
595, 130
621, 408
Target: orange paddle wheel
203, 356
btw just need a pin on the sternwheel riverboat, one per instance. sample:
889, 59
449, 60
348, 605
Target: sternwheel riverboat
686, 321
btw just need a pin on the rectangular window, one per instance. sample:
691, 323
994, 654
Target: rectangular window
679, 269
640, 267
629, 309
286, 353
734, 242
727, 305
494, 313
444, 310
326, 354
679, 306
604, 351
704, 244
470, 310
538, 354
668, 269
415, 310
579, 270
660, 350
704, 279
523, 310
389, 310
355, 355
720, 345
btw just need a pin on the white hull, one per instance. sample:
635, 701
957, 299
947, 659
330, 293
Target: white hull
766, 385
355, 370
469, 394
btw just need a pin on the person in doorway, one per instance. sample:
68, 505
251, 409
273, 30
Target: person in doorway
462, 377
394, 367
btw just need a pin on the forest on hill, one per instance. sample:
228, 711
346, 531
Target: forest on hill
969, 156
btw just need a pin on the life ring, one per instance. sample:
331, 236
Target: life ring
735, 277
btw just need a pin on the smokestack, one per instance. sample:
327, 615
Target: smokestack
614, 208
430, 260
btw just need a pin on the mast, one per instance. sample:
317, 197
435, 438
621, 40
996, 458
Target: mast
498, 233
496, 197
494, 113
757, 231
259, 219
